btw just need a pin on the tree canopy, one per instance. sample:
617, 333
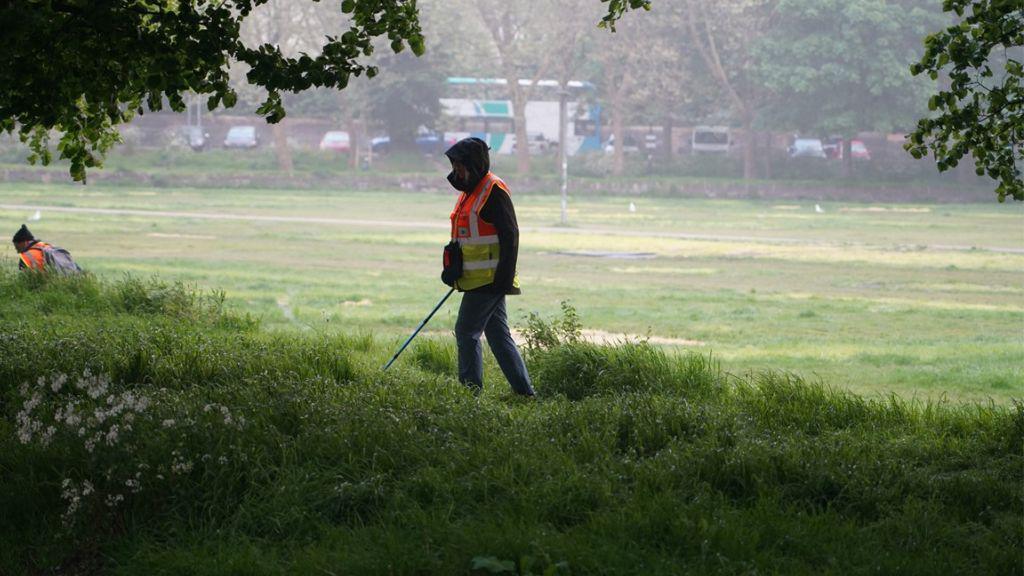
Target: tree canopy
981, 112
840, 66
77, 69
81, 67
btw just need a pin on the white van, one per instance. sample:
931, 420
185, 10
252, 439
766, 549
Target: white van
711, 140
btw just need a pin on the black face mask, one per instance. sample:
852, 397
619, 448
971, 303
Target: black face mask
461, 185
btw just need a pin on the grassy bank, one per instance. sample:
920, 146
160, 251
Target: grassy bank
144, 430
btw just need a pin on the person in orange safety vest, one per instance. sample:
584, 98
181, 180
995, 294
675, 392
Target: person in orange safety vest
40, 256
485, 230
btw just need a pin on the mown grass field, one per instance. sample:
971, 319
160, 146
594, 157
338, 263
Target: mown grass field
926, 301
146, 430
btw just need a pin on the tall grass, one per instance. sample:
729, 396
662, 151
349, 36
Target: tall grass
243, 451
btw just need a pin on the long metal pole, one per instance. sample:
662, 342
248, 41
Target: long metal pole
422, 324
563, 161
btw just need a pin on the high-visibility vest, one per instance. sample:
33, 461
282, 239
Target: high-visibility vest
34, 257
477, 237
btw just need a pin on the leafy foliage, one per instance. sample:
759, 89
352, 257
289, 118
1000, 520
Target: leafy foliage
84, 67
617, 8
982, 111
544, 334
840, 67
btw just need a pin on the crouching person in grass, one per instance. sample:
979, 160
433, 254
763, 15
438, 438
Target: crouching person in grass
37, 256
481, 263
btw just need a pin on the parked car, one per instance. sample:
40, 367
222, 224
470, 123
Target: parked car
858, 151
807, 148
336, 141
711, 140
242, 137
429, 142
380, 144
195, 137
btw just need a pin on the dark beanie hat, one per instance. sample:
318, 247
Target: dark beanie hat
23, 235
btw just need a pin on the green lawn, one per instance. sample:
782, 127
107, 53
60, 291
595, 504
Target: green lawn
925, 301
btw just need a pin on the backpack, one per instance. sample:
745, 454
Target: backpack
59, 259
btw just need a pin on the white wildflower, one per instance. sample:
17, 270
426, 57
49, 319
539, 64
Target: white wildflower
181, 466
167, 423
112, 435
71, 418
48, 435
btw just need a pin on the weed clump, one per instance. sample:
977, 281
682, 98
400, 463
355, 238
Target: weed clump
561, 362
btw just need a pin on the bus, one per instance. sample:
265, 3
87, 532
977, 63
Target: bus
480, 107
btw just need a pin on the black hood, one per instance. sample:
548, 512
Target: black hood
23, 235
471, 153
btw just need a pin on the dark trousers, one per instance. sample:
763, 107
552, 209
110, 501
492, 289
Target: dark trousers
483, 313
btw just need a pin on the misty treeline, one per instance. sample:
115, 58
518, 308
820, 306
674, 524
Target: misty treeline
819, 67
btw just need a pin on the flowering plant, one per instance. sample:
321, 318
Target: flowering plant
113, 442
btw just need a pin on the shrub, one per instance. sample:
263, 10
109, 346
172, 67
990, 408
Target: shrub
561, 362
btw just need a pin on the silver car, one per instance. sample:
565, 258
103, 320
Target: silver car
807, 148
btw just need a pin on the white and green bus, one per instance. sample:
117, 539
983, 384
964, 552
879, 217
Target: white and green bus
480, 107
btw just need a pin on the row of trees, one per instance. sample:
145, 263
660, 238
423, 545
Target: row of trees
816, 66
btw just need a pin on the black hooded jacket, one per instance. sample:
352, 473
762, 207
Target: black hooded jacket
498, 211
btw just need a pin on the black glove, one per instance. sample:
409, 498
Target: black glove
452, 263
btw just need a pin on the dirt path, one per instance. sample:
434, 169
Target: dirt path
424, 225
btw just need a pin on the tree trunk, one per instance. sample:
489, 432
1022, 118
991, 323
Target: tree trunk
281, 150
847, 158
749, 170
519, 117
353, 139
666, 139
766, 157
619, 161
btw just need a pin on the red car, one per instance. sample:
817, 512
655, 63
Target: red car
336, 141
